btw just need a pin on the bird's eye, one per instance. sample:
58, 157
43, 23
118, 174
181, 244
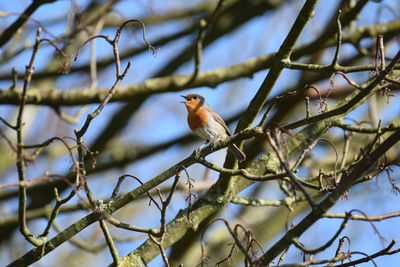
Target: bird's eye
195, 97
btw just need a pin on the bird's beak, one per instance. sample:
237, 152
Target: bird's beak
184, 98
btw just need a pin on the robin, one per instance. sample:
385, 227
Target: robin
207, 124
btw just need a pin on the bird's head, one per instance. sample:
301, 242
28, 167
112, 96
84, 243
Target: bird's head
193, 101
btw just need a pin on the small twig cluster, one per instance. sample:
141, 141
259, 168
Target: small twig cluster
242, 241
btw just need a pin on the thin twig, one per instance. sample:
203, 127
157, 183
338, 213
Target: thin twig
232, 233
383, 252
56, 209
20, 159
338, 40
117, 223
289, 172
376, 218
204, 24
327, 244
160, 246
7, 123
242, 172
110, 242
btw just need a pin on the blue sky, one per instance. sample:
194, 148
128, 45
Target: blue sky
162, 117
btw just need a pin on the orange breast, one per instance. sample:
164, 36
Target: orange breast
197, 119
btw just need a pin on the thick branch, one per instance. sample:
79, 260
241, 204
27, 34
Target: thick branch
211, 79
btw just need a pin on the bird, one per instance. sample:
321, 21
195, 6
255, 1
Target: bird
207, 124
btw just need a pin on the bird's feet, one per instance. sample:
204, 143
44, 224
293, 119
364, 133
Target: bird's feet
212, 144
196, 152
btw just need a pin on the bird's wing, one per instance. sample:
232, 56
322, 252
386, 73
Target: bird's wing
218, 119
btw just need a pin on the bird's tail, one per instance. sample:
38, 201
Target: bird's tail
239, 155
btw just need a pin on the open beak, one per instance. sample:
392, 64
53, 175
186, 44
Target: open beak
184, 98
